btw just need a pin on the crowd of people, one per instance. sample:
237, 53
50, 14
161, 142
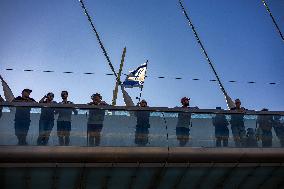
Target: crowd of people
249, 137
241, 136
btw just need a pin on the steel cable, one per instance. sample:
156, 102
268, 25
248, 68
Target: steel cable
202, 47
98, 37
273, 20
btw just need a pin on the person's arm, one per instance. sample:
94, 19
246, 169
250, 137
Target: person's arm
8, 94
42, 100
103, 103
74, 110
17, 99
243, 110
127, 99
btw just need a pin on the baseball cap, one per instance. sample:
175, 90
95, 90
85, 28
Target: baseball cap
27, 90
96, 94
184, 99
144, 101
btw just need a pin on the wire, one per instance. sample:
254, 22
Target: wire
156, 77
228, 99
273, 20
202, 46
98, 37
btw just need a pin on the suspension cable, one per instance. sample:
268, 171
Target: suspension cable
273, 20
98, 38
202, 47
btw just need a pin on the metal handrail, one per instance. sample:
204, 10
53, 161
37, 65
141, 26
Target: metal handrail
136, 108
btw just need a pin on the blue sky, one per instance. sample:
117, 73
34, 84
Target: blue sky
55, 35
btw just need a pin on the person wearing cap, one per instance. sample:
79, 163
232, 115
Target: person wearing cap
142, 125
238, 125
221, 129
95, 120
46, 121
264, 127
22, 117
64, 120
184, 122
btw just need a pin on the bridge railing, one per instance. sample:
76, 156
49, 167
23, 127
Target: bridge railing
107, 126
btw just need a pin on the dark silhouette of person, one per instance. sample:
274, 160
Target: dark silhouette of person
237, 125
22, 117
143, 125
264, 123
95, 120
279, 129
221, 129
184, 122
64, 120
46, 121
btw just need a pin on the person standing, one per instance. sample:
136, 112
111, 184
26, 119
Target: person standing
279, 129
184, 122
64, 120
95, 120
46, 121
264, 123
221, 129
22, 117
142, 125
237, 124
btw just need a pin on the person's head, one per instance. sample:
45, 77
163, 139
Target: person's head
185, 101
64, 95
50, 96
97, 98
26, 93
143, 103
238, 103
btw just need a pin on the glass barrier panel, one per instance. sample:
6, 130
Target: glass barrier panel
224, 130
81, 127
66, 126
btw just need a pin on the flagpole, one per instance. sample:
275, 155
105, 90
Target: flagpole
118, 82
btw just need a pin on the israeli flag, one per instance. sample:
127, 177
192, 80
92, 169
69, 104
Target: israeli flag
136, 78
